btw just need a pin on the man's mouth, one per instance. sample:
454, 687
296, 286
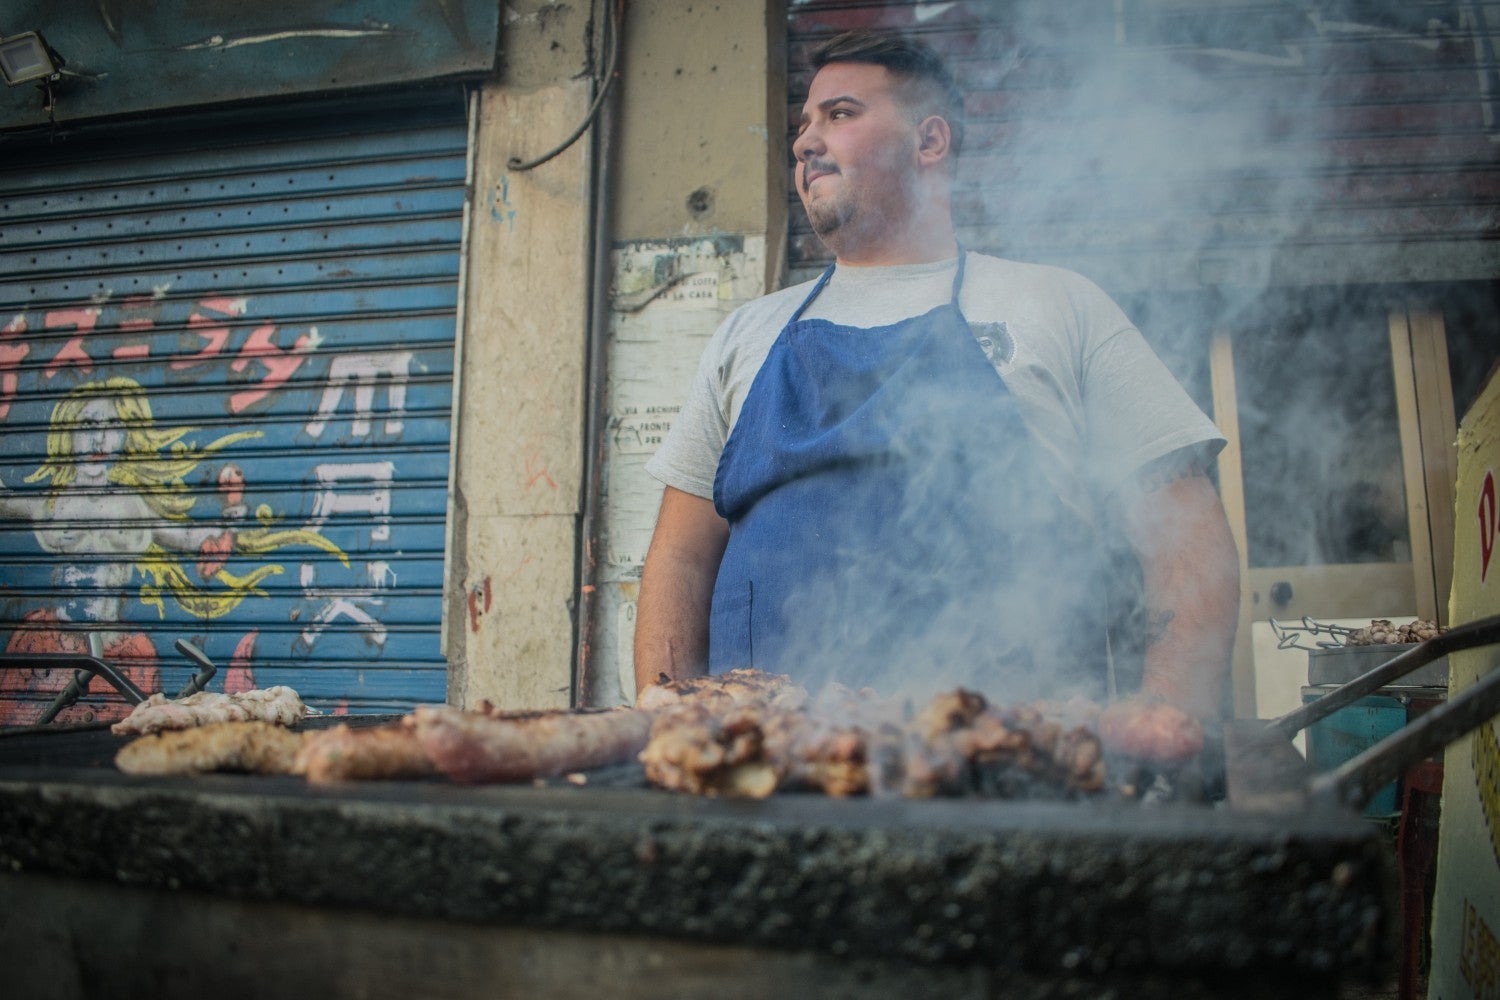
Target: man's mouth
811, 171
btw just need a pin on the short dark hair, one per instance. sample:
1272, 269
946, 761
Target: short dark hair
924, 76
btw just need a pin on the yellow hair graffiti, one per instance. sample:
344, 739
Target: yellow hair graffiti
158, 480
141, 467
258, 541
167, 574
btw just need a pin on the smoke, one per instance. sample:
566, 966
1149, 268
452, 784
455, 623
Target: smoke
1255, 171
1220, 169
926, 544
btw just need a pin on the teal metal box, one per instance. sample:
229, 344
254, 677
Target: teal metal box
1352, 730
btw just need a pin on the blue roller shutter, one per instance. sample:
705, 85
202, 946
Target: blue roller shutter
226, 364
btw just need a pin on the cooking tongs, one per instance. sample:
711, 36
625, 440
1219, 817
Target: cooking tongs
86, 667
1355, 781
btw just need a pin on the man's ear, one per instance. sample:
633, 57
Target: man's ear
934, 139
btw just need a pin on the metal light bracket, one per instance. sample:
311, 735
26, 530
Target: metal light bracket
27, 57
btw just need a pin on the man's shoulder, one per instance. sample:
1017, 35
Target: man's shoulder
1020, 288
784, 299
1022, 274
770, 310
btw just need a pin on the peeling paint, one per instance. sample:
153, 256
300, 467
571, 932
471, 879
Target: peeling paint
480, 601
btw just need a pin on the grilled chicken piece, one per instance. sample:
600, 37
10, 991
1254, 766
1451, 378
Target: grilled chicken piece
721, 691
694, 749
256, 747
280, 705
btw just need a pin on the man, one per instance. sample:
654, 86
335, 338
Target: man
890, 476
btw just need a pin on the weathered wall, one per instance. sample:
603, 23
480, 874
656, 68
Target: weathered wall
701, 148
697, 229
517, 442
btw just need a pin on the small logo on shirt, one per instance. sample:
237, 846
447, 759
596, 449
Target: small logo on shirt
994, 340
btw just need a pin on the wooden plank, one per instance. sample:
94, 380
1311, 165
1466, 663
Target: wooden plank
1437, 433
1232, 493
1417, 511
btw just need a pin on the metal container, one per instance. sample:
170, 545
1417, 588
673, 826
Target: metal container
1341, 664
1355, 728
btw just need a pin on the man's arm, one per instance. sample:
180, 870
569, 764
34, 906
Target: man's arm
677, 585
1176, 524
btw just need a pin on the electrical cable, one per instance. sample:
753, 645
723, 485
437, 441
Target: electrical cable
614, 13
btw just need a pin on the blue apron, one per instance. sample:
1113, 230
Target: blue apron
890, 524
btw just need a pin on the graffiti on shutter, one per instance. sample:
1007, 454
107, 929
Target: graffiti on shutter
227, 422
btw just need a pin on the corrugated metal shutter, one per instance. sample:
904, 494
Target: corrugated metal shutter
226, 364
1173, 144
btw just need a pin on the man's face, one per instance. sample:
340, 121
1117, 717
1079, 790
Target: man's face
856, 153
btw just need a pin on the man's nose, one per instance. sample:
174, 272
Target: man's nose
807, 145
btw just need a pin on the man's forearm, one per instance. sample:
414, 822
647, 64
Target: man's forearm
1191, 574
677, 585
671, 623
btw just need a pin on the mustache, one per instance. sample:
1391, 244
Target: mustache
820, 166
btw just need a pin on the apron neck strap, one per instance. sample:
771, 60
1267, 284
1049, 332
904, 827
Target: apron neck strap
822, 281
958, 281
958, 276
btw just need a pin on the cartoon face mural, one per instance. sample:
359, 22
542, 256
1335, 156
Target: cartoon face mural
117, 506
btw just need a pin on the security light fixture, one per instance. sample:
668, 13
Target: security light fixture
26, 57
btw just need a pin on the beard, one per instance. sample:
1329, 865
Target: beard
853, 213
830, 215
827, 215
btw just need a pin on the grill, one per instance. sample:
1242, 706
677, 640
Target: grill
1282, 891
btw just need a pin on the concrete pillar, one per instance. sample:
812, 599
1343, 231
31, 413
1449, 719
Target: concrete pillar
517, 450
698, 228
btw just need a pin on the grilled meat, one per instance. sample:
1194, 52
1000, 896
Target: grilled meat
347, 754
279, 705
720, 691
847, 743
693, 748
256, 747
1154, 732
487, 745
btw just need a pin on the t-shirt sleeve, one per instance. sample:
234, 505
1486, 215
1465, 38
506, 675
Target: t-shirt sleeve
688, 458
1136, 411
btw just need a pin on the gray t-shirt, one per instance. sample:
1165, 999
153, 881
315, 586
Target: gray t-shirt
1097, 400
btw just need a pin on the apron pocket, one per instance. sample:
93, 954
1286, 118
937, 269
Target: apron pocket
729, 644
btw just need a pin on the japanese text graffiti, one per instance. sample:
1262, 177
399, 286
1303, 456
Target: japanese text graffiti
156, 480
